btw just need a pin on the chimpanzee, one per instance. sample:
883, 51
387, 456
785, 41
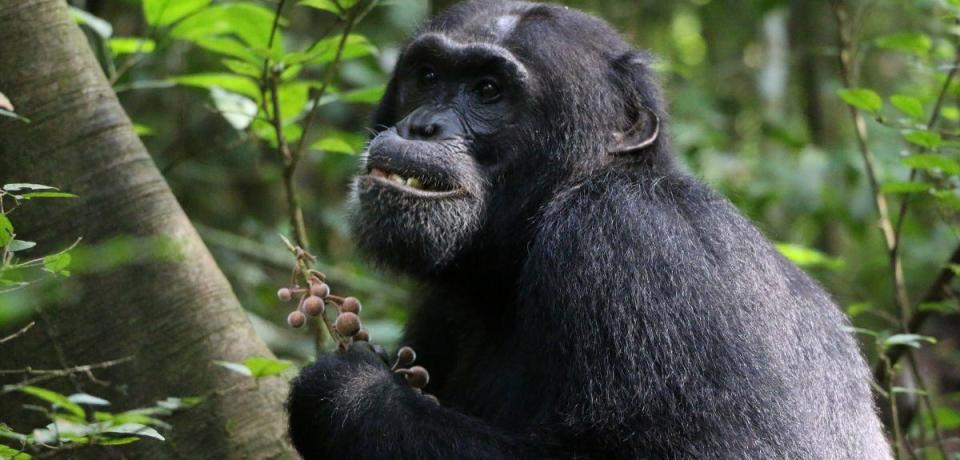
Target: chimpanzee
582, 297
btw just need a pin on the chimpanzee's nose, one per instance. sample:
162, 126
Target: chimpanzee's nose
429, 124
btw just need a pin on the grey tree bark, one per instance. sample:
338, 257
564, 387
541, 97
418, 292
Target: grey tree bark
173, 317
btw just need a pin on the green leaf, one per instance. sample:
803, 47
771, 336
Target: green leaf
907, 42
137, 429
951, 113
24, 186
101, 27
947, 199
905, 390
238, 110
807, 257
48, 195
130, 45
862, 98
932, 161
858, 308
57, 263
333, 144
230, 82
142, 130
926, 139
946, 307
235, 367
9, 453
906, 187
6, 231
166, 12
54, 398
117, 441
910, 340
243, 68
328, 5
370, 95
324, 51
14, 115
228, 47
88, 399
20, 245
250, 22
265, 367
909, 105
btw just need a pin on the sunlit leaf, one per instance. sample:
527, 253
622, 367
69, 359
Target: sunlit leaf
910, 340
324, 51
243, 68
858, 308
30, 195
57, 263
142, 130
137, 429
230, 82
165, 12
906, 187
6, 231
328, 5
807, 257
265, 367
932, 161
251, 22
909, 105
236, 109
946, 307
54, 398
907, 42
235, 367
862, 98
88, 399
9, 453
927, 139
24, 186
333, 144
228, 46
129, 45
117, 441
20, 245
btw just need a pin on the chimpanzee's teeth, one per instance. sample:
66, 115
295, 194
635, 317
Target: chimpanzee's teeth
412, 182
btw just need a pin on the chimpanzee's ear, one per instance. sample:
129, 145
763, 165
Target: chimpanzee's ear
632, 76
385, 116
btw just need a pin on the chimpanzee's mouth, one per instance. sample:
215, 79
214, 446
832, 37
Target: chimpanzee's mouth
415, 184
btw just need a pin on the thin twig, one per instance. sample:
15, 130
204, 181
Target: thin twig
931, 123
22, 331
845, 42
47, 374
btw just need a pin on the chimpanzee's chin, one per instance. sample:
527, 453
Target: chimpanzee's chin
408, 233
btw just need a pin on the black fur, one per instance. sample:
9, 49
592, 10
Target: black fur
581, 304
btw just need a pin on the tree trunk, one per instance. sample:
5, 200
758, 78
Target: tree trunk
172, 317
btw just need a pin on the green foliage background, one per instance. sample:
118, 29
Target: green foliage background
759, 111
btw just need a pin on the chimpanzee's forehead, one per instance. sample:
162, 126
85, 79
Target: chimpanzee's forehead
494, 22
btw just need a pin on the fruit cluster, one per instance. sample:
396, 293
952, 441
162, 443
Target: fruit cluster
347, 326
313, 301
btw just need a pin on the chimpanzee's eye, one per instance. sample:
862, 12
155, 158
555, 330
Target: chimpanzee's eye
488, 91
427, 76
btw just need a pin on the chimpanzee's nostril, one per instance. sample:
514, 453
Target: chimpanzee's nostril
425, 131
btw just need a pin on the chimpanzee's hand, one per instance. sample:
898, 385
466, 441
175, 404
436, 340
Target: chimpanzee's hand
342, 384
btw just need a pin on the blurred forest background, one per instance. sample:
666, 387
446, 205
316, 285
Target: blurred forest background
766, 99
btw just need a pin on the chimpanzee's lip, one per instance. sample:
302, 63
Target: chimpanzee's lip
411, 183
